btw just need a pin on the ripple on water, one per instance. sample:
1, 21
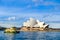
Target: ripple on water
30, 36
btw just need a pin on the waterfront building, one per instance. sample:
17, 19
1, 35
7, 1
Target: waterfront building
33, 24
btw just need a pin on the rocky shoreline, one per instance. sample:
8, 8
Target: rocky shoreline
37, 29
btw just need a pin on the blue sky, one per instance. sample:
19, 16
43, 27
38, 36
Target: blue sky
15, 12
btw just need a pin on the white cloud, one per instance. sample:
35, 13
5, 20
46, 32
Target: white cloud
43, 2
11, 18
49, 3
51, 18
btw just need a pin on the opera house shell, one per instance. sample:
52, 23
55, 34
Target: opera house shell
33, 24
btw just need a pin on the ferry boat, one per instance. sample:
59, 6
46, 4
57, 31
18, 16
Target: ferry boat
11, 30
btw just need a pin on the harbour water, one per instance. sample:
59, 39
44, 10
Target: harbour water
30, 36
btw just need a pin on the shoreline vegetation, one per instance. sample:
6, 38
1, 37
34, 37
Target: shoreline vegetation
33, 29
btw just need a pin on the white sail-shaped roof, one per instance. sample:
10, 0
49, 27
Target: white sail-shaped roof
34, 23
30, 22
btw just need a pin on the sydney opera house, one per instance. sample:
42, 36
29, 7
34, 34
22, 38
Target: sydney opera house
34, 25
